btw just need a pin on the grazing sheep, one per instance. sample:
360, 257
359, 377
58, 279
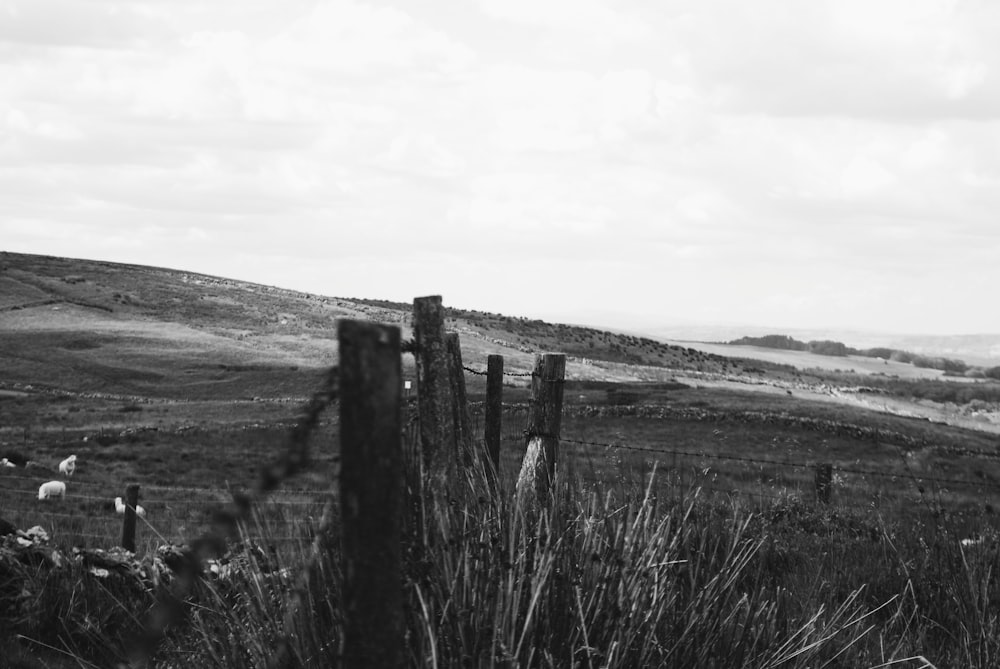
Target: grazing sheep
52, 489
15, 459
68, 466
120, 508
4, 462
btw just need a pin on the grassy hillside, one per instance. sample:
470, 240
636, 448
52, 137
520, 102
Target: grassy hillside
81, 326
89, 326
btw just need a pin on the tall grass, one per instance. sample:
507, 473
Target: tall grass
622, 576
597, 580
605, 581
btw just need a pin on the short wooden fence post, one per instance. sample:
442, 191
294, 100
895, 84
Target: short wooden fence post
461, 421
432, 389
534, 482
128, 524
824, 482
371, 489
494, 413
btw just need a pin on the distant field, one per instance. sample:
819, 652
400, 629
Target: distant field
14, 293
806, 360
206, 447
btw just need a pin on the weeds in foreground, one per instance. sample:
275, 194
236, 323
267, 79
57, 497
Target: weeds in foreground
619, 579
597, 581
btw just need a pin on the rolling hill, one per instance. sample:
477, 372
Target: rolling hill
91, 326
138, 333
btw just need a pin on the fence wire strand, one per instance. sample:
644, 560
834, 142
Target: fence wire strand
227, 523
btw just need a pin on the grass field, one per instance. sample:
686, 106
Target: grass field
186, 455
687, 531
883, 552
805, 360
640, 568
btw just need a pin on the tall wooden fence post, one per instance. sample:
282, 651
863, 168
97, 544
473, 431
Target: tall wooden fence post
436, 421
128, 524
535, 480
494, 413
824, 482
461, 420
371, 489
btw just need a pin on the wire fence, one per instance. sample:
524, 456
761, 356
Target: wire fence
165, 520
749, 474
759, 477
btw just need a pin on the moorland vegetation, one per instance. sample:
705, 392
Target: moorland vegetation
684, 530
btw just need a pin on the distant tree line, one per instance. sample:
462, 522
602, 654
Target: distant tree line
836, 348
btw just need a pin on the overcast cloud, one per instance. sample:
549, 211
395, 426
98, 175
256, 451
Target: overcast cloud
782, 163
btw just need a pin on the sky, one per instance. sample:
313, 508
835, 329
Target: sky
822, 164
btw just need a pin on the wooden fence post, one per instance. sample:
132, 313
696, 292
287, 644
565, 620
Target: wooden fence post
371, 489
436, 424
128, 524
537, 475
494, 413
461, 421
824, 482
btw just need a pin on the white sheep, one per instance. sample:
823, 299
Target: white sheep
120, 508
68, 466
52, 489
4, 462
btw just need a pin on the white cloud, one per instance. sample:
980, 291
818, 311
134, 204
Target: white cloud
887, 59
776, 159
590, 20
421, 154
365, 40
540, 205
863, 176
95, 24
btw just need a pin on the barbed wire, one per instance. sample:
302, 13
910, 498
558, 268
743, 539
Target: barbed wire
921, 477
104, 498
74, 516
698, 454
89, 535
479, 372
524, 435
226, 523
216, 492
779, 463
293, 491
33, 478
263, 502
34, 493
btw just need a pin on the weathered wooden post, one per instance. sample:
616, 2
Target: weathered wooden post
537, 474
824, 482
494, 413
128, 524
461, 421
433, 389
371, 490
